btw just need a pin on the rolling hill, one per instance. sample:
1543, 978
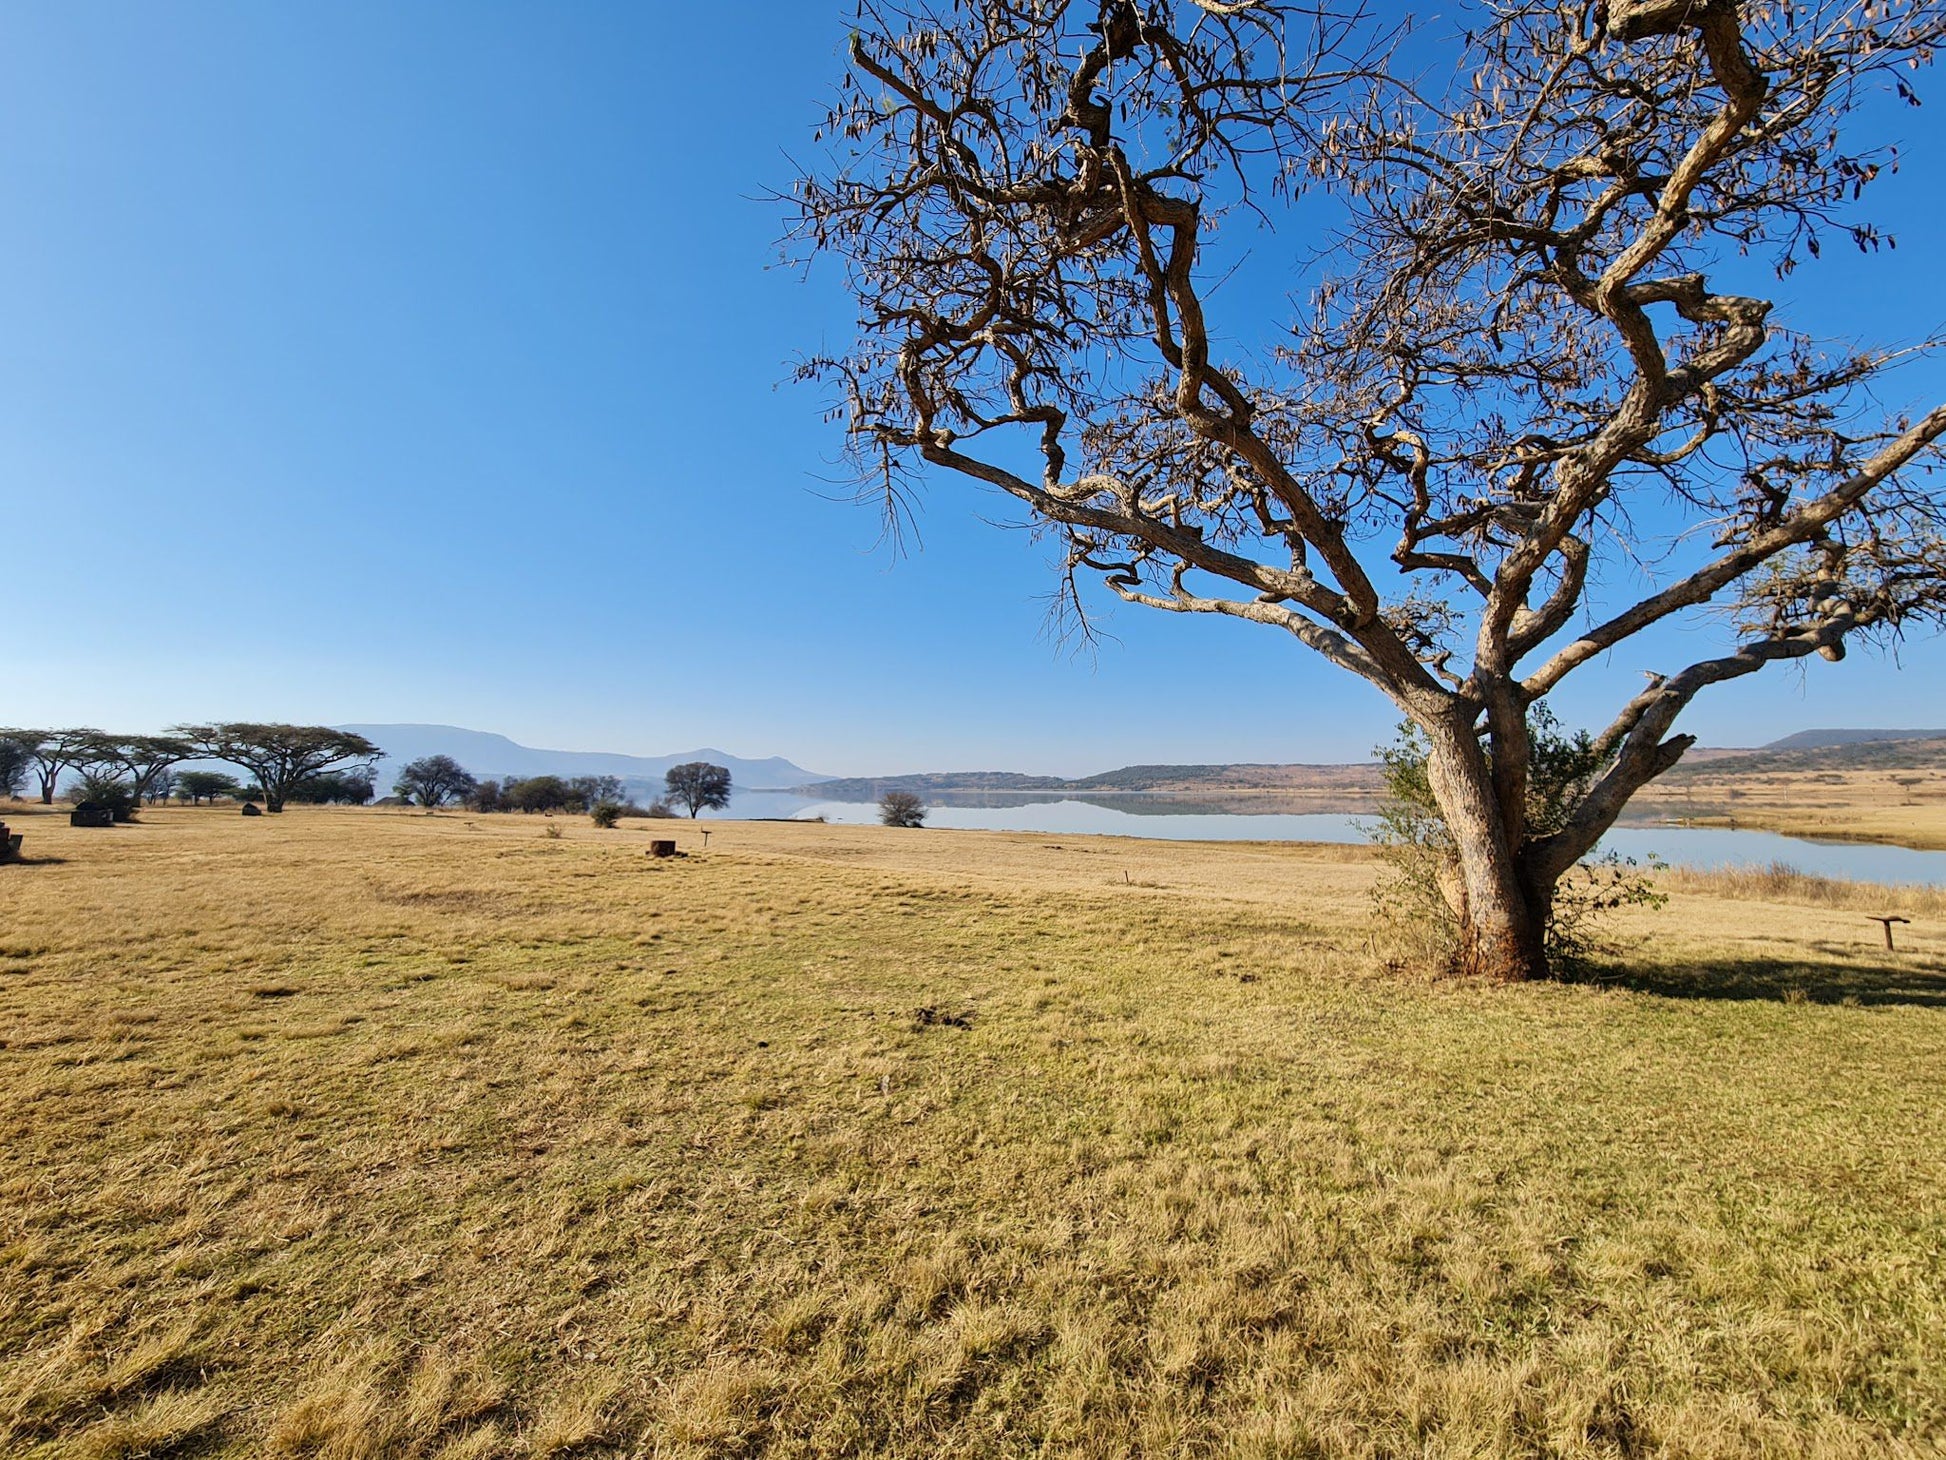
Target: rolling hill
1824, 739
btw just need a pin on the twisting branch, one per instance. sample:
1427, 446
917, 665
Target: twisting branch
1520, 373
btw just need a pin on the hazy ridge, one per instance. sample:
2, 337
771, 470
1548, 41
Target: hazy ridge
488, 755
1807, 750
491, 755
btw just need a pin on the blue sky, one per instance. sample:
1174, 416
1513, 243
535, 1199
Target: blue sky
426, 362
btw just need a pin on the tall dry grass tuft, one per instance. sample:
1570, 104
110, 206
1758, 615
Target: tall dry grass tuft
1781, 882
167, 1424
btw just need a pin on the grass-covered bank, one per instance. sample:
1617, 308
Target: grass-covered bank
345, 1133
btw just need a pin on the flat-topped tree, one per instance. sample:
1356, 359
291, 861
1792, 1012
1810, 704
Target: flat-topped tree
1521, 388
201, 786
50, 752
140, 757
281, 756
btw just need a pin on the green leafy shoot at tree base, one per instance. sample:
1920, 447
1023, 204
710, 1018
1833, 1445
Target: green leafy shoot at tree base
1422, 900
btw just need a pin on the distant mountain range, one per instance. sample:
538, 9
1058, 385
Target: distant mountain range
1819, 739
495, 757
1821, 750
1138, 779
1808, 749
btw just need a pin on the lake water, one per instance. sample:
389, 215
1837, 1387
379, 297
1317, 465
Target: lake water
1677, 845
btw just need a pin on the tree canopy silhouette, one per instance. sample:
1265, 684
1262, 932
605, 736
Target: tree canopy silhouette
1530, 403
433, 780
281, 757
699, 785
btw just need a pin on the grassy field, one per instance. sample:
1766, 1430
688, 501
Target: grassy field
358, 1134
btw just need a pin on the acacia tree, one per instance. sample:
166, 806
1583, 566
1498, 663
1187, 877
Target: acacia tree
699, 785
141, 758
201, 786
1529, 368
281, 756
50, 752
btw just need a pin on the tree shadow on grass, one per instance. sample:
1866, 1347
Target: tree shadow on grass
1827, 974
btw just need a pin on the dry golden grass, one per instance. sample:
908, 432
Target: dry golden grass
1905, 807
1779, 882
351, 1134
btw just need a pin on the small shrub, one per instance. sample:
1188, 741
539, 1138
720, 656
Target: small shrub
1419, 897
605, 813
551, 832
901, 808
104, 789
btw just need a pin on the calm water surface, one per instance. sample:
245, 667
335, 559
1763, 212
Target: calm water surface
1676, 845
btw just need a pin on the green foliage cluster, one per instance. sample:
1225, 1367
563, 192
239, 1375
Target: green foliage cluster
16, 756
334, 788
548, 794
104, 786
1417, 899
197, 787
433, 780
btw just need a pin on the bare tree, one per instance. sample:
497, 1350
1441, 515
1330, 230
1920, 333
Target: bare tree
281, 756
1519, 387
901, 808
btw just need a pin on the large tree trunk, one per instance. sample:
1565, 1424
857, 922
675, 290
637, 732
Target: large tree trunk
1502, 917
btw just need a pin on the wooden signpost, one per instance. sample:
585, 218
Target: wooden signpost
1887, 922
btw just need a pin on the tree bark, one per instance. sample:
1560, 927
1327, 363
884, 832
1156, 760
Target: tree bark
1502, 918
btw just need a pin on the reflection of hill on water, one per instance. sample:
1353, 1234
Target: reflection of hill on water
1160, 803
